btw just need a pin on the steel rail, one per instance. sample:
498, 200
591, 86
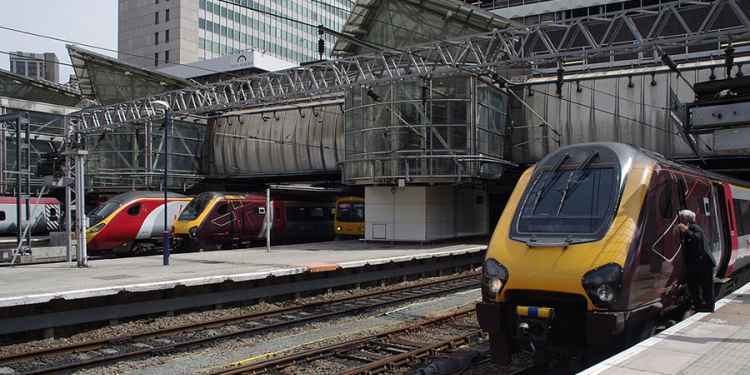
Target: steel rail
260, 322
341, 348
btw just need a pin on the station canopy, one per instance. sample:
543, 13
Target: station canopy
107, 80
20, 87
402, 23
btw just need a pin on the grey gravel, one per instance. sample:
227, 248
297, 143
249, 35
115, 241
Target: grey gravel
7, 371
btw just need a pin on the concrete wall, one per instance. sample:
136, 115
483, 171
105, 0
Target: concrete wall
424, 213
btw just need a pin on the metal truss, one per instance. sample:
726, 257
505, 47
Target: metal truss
632, 34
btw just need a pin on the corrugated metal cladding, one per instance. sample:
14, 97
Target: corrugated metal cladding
282, 142
622, 106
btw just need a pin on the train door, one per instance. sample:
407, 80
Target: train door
253, 217
222, 221
701, 199
236, 217
660, 244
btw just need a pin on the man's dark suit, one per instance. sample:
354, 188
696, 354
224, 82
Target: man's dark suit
700, 268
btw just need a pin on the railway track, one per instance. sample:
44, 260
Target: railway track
389, 350
114, 349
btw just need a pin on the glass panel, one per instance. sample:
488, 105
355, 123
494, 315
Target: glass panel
561, 201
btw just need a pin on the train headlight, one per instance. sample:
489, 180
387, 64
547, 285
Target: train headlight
96, 228
603, 284
338, 229
494, 277
193, 232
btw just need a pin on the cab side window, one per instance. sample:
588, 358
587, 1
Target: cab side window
223, 209
134, 210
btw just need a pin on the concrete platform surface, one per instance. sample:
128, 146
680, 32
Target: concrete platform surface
24, 285
706, 343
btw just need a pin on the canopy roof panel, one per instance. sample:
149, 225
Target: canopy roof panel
399, 23
108, 81
19, 87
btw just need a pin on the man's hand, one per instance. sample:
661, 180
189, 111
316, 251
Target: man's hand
682, 227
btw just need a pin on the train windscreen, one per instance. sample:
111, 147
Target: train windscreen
195, 207
102, 211
351, 212
571, 198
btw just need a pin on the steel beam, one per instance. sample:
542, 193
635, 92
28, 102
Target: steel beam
493, 52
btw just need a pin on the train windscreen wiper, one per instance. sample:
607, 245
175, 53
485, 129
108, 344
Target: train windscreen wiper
551, 182
572, 183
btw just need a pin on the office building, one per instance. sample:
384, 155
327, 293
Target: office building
159, 33
36, 65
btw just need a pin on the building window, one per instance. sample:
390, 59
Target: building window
156, 38
166, 57
156, 18
166, 15
156, 59
166, 36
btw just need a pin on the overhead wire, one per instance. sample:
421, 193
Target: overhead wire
68, 41
36, 58
308, 25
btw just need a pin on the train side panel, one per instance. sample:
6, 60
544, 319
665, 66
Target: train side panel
45, 215
740, 207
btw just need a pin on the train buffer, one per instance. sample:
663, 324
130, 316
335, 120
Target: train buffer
704, 343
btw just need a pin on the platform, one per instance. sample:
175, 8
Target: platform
706, 343
45, 296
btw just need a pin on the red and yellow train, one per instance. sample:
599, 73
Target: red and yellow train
132, 222
586, 252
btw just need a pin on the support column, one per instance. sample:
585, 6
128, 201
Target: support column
81, 208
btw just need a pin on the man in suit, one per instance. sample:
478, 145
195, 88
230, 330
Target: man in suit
698, 261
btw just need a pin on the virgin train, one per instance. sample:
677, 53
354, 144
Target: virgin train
133, 222
45, 215
350, 217
586, 254
216, 220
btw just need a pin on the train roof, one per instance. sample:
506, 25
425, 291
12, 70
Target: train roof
131, 195
214, 194
624, 151
43, 200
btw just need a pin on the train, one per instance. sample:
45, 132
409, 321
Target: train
45, 215
216, 220
350, 217
132, 222
586, 258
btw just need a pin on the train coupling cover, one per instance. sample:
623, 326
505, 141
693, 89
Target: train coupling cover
534, 324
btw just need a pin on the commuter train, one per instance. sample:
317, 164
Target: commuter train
216, 220
350, 217
45, 215
133, 222
586, 254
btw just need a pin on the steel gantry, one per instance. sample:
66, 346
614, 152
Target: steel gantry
679, 27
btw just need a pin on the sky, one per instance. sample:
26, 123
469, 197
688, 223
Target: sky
87, 21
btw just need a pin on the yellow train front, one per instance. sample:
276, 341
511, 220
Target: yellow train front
564, 275
350, 217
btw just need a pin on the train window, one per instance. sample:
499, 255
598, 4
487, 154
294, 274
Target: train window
2, 215
296, 213
666, 201
742, 216
351, 212
317, 213
134, 210
195, 207
569, 201
223, 209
